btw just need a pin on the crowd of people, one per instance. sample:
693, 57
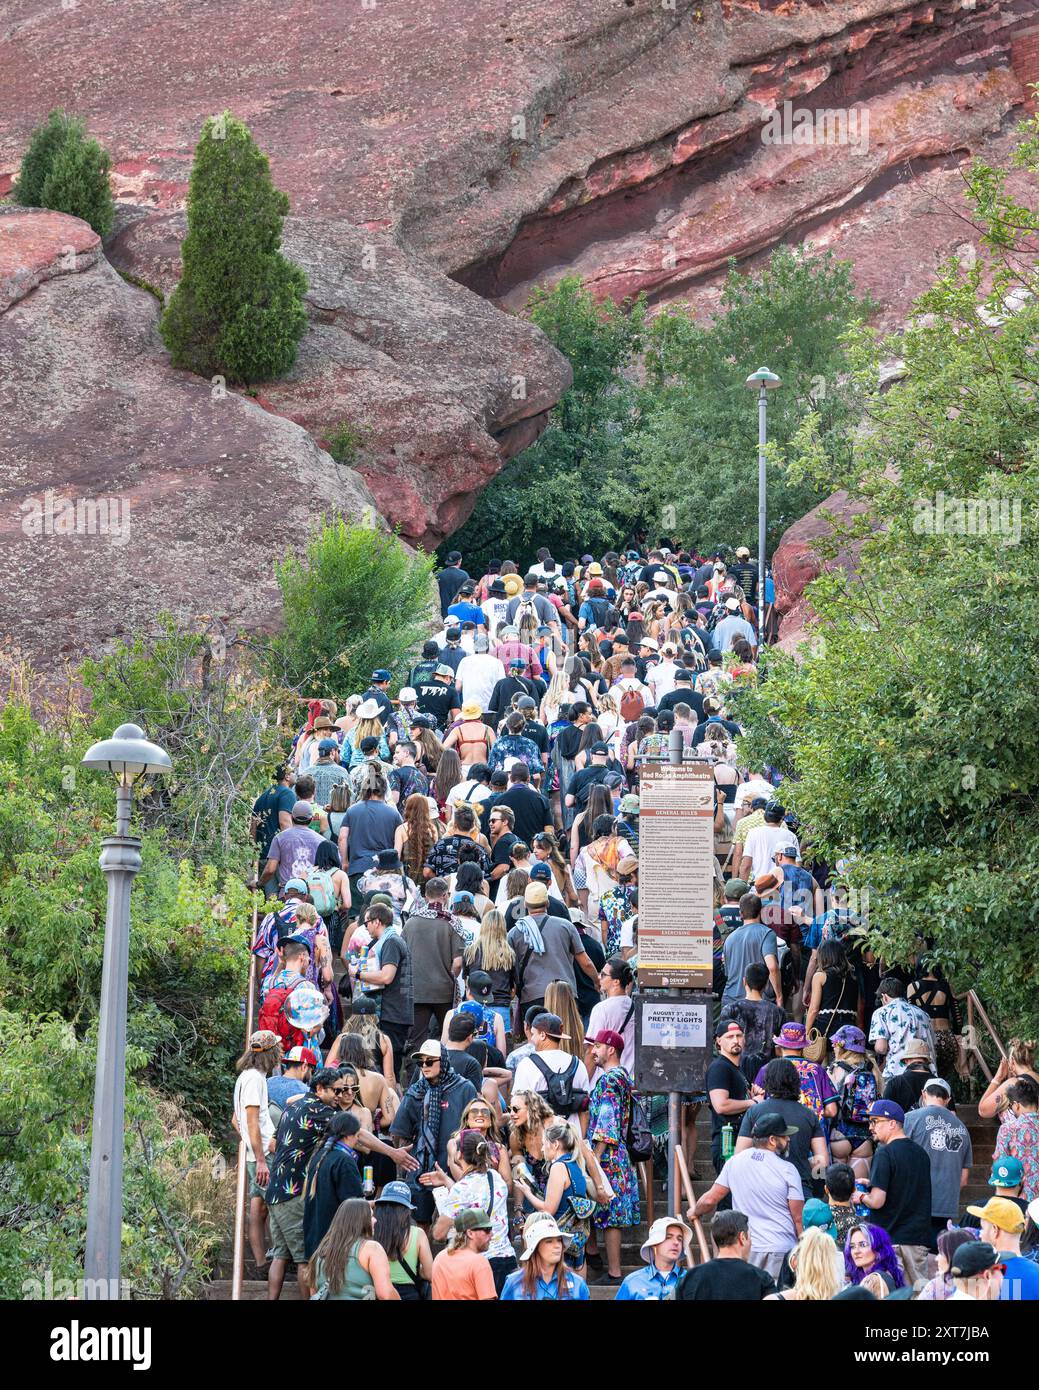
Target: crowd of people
439, 1098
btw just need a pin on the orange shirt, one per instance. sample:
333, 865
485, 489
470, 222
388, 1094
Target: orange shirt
462, 1274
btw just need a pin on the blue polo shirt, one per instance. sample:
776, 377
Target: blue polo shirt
648, 1285
464, 612
513, 1289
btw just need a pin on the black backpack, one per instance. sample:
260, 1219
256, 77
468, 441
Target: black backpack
639, 1138
562, 1095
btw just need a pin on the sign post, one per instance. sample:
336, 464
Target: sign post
675, 933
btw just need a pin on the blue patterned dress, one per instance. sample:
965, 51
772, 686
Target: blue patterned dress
608, 1124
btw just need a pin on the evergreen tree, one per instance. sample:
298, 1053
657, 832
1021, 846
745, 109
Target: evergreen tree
238, 310
65, 171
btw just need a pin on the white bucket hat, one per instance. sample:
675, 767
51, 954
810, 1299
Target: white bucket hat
369, 709
658, 1233
537, 1231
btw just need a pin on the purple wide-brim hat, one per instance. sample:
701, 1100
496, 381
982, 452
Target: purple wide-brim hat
791, 1035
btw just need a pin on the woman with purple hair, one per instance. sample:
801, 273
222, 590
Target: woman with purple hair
870, 1260
942, 1285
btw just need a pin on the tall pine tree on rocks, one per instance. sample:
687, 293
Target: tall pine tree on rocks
238, 309
66, 171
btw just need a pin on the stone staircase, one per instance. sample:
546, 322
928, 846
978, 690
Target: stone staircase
977, 1191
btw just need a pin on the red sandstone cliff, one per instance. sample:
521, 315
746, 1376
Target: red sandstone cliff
499, 145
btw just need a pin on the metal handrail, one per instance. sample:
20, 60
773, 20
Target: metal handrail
241, 1184
970, 1044
690, 1198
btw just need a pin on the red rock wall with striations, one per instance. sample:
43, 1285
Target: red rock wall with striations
441, 162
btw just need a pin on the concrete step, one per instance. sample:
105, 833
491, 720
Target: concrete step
253, 1291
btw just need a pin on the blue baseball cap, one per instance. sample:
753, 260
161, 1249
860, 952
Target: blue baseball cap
327, 745
1007, 1172
296, 885
540, 872
378, 676
887, 1110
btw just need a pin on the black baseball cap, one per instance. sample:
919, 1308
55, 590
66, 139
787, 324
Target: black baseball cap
481, 986
769, 1124
973, 1257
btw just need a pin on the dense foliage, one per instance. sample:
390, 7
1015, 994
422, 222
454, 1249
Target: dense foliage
572, 487
64, 170
193, 692
238, 309
697, 446
189, 925
911, 724
353, 601
658, 430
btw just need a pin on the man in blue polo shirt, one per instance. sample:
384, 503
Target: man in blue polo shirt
662, 1252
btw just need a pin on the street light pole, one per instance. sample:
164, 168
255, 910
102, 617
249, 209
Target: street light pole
129, 756
764, 381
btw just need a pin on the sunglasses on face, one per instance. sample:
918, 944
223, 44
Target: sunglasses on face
429, 1062
343, 1090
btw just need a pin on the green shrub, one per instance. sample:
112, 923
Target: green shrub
354, 601
344, 440
65, 171
238, 310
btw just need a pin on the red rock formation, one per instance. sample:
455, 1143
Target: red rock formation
441, 384
803, 554
621, 139
130, 487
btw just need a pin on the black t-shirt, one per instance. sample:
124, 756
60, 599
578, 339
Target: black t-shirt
449, 580
582, 782
723, 1076
537, 733
500, 703
587, 993
569, 741
906, 1090
438, 700
903, 1170
501, 849
396, 1002
722, 1281
339, 1177
805, 1121
467, 1067
683, 695
530, 808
